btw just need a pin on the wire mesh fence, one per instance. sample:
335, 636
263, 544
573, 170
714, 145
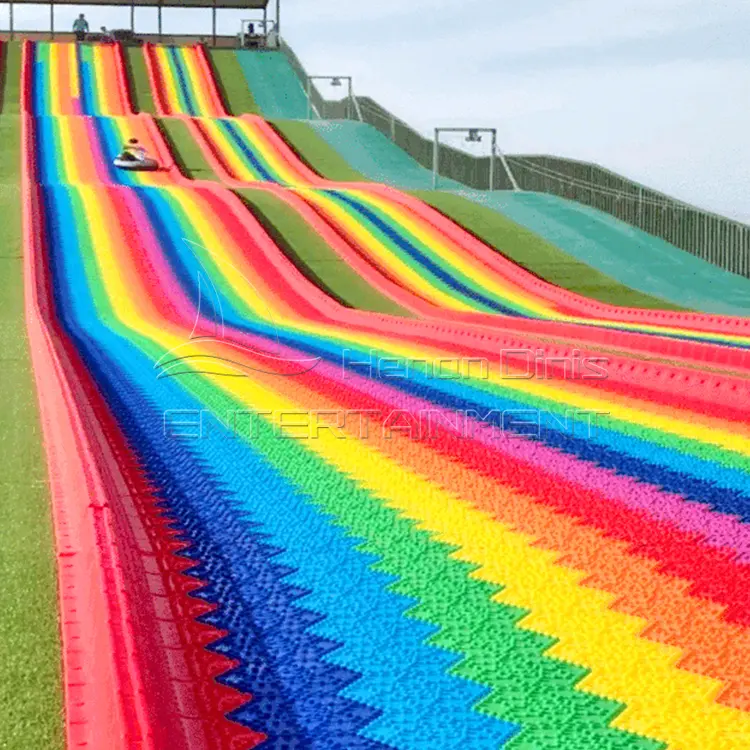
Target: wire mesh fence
716, 239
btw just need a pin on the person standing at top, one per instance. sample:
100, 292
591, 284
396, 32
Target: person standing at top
80, 28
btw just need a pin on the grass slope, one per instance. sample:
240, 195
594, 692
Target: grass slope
30, 679
536, 254
230, 79
313, 256
315, 152
140, 87
185, 150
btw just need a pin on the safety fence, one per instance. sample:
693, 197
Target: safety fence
714, 238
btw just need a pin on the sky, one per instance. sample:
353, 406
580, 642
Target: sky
657, 90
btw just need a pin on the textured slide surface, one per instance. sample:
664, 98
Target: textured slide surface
276, 87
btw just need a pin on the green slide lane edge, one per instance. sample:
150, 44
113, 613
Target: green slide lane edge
313, 256
185, 151
138, 82
315, 152
231, 82
30, 650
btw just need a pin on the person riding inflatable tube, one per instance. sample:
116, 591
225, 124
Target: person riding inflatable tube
135, 158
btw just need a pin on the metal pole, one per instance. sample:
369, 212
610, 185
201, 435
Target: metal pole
309, 99
514, 184
435, 158
492, 160
278, 18
11, 21
213, 23
132, 18
159, 22
349, 101
52, 20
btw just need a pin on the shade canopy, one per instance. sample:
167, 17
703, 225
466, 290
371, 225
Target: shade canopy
235, 4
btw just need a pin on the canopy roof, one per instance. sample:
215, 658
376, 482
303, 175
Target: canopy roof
236, 4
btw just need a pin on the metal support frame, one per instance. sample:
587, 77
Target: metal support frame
52, 20
494, 154
11, 21
132, 18
159, 21
278, 17
350, 99
213, 24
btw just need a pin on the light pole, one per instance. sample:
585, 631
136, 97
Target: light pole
335, 81
473, 135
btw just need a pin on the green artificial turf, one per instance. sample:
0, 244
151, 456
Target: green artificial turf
185, 150
140, 87
313, 256
30, 657
10, 85
231, 82
315, 152
536, 254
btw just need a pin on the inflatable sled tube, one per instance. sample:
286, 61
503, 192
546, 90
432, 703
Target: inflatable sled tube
138, 166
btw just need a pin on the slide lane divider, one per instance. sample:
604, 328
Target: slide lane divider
209, 80
156, 81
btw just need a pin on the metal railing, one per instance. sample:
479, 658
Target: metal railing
709, 236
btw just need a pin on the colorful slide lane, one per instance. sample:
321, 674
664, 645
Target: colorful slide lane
391, 557
434, 260
182, 81
452, 271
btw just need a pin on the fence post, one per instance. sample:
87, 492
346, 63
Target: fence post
640, 208
492, 160
435, 159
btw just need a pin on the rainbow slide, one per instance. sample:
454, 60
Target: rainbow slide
514, 517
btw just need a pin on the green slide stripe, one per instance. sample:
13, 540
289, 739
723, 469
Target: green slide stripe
185, 150
230, 81
276, 88
140, 87
368, 151
312, 255
316, 153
